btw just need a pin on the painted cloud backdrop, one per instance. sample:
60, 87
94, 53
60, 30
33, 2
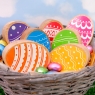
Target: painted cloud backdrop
34, 12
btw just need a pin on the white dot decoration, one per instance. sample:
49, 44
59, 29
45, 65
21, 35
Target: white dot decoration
17, 32
13, 27
74, 52
79, 68
70, 32
20, 26
10, 34
54, 44
68, 62
76, 57
61, 35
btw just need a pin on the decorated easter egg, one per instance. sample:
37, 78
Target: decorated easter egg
13, 30
72, 57
66, 36
51, 27
25, 56
54, 67
84, 25
1, 49
3, 42
36, 35
90, 48
42, 70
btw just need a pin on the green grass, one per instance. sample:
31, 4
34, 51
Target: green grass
1, 91
91, 91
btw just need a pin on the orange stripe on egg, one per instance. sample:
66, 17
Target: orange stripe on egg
34, 67
10, 54
30, 58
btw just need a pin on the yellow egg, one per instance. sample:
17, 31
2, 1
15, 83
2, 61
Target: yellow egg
72, 57
3, 42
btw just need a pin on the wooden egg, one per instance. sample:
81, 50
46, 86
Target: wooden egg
13, 30
25, 56
37, 35
54, 67
51, 27
72, 57
66, 36
42, 70
3, 42
84, 25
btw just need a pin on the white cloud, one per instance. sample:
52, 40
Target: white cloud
89, 5
7, 8
50, 2
66, 8
37, 20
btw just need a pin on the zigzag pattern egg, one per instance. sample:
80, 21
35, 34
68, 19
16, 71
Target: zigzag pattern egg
51, 28
84, 26
25, 56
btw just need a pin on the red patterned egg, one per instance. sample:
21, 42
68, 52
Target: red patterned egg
84, 25
51, 27
25, 56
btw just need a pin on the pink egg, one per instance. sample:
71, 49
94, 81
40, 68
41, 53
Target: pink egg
54, 67
84, 25
90, 48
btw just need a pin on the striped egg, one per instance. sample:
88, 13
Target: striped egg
25, 56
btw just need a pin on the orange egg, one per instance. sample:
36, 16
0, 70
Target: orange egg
25, 56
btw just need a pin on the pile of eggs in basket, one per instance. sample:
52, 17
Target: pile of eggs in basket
51, 39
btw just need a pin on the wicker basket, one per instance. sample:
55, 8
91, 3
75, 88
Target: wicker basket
48, 84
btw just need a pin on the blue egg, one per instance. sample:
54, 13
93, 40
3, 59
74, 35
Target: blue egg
1, 49
39, 37
52, 72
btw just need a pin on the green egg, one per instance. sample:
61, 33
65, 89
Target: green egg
42, 70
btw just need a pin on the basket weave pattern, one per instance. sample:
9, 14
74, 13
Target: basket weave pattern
55, 84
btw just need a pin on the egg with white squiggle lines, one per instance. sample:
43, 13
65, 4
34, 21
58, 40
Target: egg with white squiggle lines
37, 35
72, 57
25, 56
84, 25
